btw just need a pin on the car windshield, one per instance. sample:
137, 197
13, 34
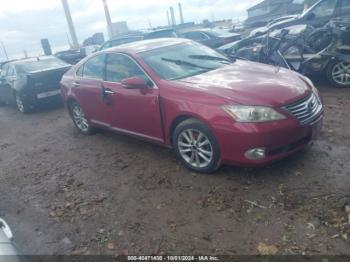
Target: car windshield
30, 66
183, 60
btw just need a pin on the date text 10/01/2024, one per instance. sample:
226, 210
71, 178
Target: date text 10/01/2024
172, 258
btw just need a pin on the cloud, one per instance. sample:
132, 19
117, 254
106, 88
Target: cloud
24, 22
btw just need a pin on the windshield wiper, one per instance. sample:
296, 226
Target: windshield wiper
186, 63
209, 57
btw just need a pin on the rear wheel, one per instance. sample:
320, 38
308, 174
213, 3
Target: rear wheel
80, 120
338, 73
22, 105
196, 146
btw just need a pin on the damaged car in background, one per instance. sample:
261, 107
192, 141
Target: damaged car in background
28, 82
302, 48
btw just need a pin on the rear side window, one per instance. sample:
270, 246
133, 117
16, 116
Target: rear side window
79, 72
4, 70
95, 67
11, 71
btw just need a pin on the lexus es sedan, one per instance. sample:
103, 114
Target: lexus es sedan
184, 95
28, 82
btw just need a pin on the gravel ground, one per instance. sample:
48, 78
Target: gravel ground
65, 193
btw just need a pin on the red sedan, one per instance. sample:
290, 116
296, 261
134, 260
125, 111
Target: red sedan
184, 95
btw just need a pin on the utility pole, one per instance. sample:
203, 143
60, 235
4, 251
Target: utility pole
167, 16
70, 24
172, 15
108, 19
4, 48
181, 15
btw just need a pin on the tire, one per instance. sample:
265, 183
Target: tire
196, 146
79, 120
338, 73
21, 104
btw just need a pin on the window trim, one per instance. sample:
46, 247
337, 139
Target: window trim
140, 67
83, 65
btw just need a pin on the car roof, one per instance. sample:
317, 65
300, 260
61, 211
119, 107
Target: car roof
147, 45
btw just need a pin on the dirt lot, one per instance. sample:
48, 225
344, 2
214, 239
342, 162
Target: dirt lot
65, 193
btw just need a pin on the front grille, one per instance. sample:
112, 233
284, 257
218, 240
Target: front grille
306, 109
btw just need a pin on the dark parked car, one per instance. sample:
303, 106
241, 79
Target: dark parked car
29, 81
70, 56
121, 40
181, 94
212, 37
317, 15
163, 33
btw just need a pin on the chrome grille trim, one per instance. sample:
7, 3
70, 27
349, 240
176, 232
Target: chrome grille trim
306, 109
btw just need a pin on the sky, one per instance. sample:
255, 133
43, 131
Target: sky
24, 22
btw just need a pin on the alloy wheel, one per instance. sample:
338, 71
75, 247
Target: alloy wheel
19, 103
79, 118
195, 148
341, 73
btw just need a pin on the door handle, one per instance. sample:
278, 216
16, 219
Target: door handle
76, 84
109, 91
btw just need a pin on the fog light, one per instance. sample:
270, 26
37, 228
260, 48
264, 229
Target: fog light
255, 153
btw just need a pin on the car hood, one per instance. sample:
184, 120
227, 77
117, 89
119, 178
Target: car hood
250, 83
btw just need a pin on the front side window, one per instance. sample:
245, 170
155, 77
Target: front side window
95, 67
325, 9
119, 67
183, 60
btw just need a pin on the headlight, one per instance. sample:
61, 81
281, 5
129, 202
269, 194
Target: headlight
253, 113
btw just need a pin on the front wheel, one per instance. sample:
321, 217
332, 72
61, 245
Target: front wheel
22, 105
80, 120
196, 146
338, 73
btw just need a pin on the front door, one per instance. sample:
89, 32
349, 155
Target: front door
134, 111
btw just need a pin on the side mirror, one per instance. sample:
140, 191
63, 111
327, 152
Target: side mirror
134, 83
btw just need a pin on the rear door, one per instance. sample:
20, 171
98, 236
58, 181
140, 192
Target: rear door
134, 111
87, 86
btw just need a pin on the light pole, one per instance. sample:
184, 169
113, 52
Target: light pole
70, 24
108, 19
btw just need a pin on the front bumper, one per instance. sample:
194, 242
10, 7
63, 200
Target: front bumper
279, 139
